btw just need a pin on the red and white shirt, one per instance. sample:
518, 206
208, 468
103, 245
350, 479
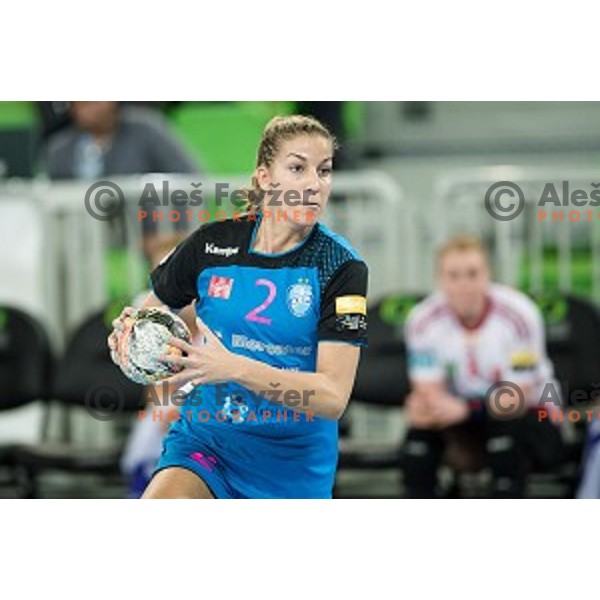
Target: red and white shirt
508, 344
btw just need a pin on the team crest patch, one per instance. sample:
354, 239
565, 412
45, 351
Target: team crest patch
300, 298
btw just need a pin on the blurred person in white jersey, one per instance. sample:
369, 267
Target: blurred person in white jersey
469, 337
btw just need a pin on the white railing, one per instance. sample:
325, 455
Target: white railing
459, 206
379, 223
29, 256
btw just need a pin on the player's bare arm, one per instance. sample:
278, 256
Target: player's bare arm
324, 393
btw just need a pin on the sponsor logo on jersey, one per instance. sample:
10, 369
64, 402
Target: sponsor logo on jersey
235, 408
206, 461
300, 298
351, 322
220, 287
210, 248
351, 313
253, 345
351, 305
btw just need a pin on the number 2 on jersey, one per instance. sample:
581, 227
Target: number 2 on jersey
253, 315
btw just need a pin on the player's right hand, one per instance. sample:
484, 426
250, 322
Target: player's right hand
115, 337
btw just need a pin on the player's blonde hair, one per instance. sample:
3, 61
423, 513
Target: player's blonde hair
463, 242
163, 246
277, 131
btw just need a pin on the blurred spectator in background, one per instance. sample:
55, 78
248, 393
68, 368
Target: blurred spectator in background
55, 114
144, 445
106, 139
462, 340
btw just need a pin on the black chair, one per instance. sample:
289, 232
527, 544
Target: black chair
26, 363
381, 380
85, 377
572, 333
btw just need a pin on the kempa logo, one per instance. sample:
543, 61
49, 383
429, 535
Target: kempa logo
212, 249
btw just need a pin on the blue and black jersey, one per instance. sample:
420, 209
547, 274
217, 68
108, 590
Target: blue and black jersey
274, 308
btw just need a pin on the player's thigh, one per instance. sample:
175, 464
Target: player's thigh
176, 482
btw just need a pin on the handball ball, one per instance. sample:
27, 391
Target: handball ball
144, 340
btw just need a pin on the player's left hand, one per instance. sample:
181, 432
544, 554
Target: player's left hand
208, 362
